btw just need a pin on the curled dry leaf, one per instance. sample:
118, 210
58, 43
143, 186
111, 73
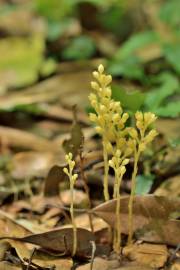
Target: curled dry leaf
55, 176
161, 231
170, 187
60, 241
25, 140
154, 256
28, 164
74, 143
147, 210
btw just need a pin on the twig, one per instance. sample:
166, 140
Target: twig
78, 210
30, 259
92, 254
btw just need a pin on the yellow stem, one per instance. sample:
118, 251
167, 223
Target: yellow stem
106, 171
118, 214
73, 223
133, 189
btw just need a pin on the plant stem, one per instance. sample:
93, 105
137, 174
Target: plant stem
106, 171
133, 189
117, 235
73, 222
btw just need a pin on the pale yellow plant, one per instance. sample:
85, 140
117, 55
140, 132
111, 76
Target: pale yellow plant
140, 138
118, 163
72, 178
109, 118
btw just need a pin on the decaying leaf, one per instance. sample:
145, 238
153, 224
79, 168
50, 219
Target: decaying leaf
54, 177
74, 143
60, 241
25, 140
147, 210
9, 266
170, 187
154, 256
28, 164
161, 231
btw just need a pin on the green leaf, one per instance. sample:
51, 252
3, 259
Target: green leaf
136, 42
172, 109
130, 68
21, 64
131, 101
53, 10
82, 47
172, 54
169, 12
169, 85
144, 183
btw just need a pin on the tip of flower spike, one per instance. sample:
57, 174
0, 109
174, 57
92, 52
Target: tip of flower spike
101, 68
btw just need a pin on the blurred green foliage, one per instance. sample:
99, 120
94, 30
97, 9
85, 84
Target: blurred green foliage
144, 38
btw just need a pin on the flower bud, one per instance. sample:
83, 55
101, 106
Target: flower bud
139, 116
116, 117
96, 75
101, 68
142, 147
108, 79
133, 133
125, 161
95, 85
102, 108
149, 118
150, 136
99, 130
107, 92
65, 170
139, 125
111, 163
93, 117
124, 118
122, 170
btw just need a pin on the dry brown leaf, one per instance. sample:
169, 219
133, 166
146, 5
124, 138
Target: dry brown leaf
148, 210
76, 140
25, 140
45, 260
9, 266
161, 231
154, 256
80, 198
55, 176
98, 264
60, 241
170, 187
28, 164
175, 266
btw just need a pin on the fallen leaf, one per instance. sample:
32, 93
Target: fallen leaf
98, 263
20, 66
175, 266
45, 260
55, 176
25, 140
9, 266
28, 164
60, 241
161, 231
74, 143
170, 187
146, 209
80, 198
154, 256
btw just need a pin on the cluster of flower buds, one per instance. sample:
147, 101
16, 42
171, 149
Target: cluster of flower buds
109, 117
118, 163
141, 136
71, 164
